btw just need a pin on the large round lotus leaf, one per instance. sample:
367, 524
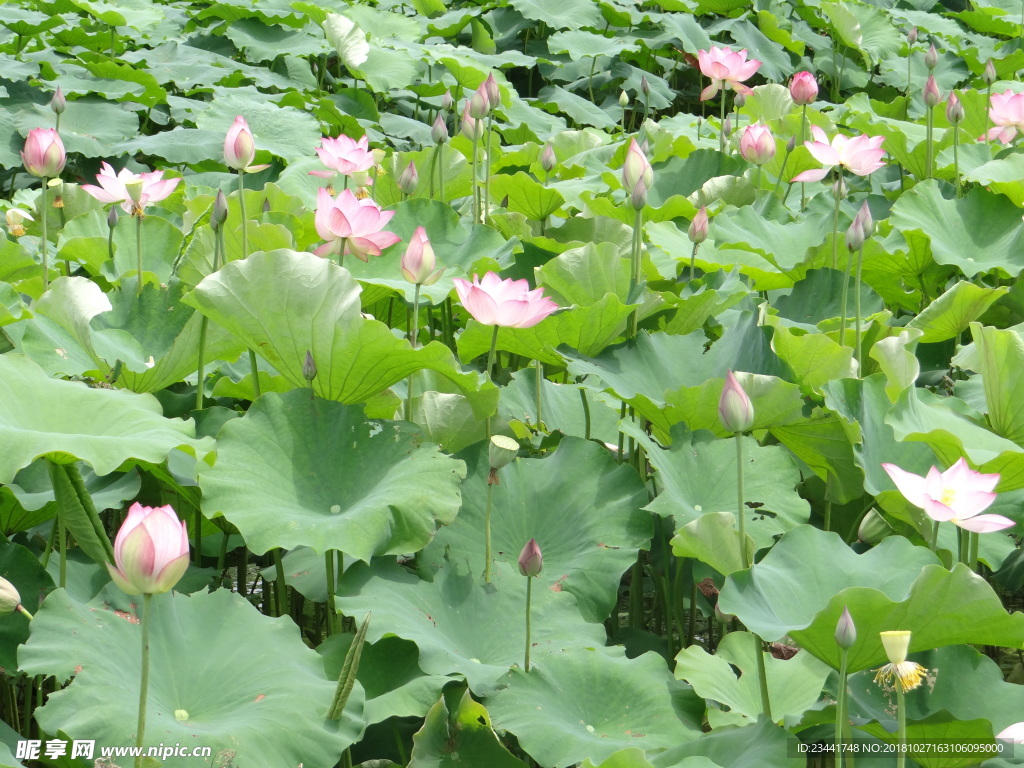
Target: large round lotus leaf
730, 747
589, 532
297, 470
104, 427
285, 304
462, 625
221, 675
463, 737
802, 585
589, 703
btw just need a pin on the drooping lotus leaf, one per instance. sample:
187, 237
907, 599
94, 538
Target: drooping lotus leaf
1000, 359
802, 585
228, 697
590, 532
592, 702
103, 427
463, 737
297, 470
461, 625
285, 304
794, 685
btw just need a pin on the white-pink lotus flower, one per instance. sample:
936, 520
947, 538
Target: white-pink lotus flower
346, 221
860, 155
1013, 733
345, 156
726, 69
133, 190
1007, 115
150, 550
508, 303
958, 495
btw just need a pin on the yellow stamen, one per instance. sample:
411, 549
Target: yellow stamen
908, 675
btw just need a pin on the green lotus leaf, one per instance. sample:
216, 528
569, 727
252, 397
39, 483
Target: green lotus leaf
590, 703
297, 471
712, 538
581, 111
573, 15
62, 419
814, 358
803, 584
786, 244
730, 746
89, 125
896, 358
561, 407
953, 312
463, 737
824, 446
236, 703
284, 131
461, 625
1000, 356
527, 195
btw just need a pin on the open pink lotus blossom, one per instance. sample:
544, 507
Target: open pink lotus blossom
726, 69
150, 550
1007, 115
346, 221
44, 154
860, 155
133, 190
958, 495
508, 303
345, 156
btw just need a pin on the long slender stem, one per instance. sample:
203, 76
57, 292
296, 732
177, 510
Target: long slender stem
413, 329
972, 557
901, 727
332, 611
487, 170
138, 247
586, 414
857, 309
935, 537
803, 138
744, 557
721, 125
245, 253
956, 159
282, 585
490, 354
636, 271
529, 594
487, 533
476, 188
929, 149
43, 241
693, 260
841, 707
835, 216
540, 382
843, 300
147, 600
440, 171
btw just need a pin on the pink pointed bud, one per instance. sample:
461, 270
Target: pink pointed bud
472, 128
757, 145
803, 88
791, 144
989, 75
931, 58
639, 196
855, 235
727, 127
645, 86
44, 154
531, 561
839, 188
866, 222
410, 179
846, 631
492, 91
735, 410
912, 35
58, 103
112, 218
239, 147
150, 551
309, 367
954, 110
447, 102
698, 231
219, 214
419, 261
931, 92
439, 131
547, 158
636, 168
479, 105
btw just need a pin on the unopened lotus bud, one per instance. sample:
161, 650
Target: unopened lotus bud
636, 167
58, 103
219, 214
112, 218
472, 128
990, 73
740, 100
309, 367
531, 561
912, 35
846, 631
9, 597
447, 102
698, 231
478, 103
410, 179
727, 127
645, 86
839, 188
639, 196
931, 92
855, 236
931, 58
954, 110
493, 92
866, 222
735, 410
439, 131
873, 528
547, 158
15, 221
791, 144
623, 99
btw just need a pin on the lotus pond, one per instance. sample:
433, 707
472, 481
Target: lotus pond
605, 383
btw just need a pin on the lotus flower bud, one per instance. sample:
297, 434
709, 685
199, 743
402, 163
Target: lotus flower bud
219, 214
931, 92
912, 35
867, 223
803, 88
44, 154
419, 261
15, 221
931, 58
896, 644
735, 410
623, 99
636, 168
791, 144
645, 86
531, 561
501, 451
112, 218
478, 103
639, 196
740, 100
472, 128
492, 91
150, 551
990, 73
698, 231
873, 528
239, 146
757, 145
839, 188
954, 110
9, 597
309, 367
727, 127
547, 158
855, 235
447, 102
58, 103
846, 631
410, 179
439, 131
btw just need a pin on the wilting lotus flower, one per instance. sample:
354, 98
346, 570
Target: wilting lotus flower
726, 69
345, 156
1013, 733
735, 410
899, 672
419, 261
15, 221
757, 145
1007, 115
133, 190
44, 154
353, 222
803, 88
508, 303
958, 495
860, 155
150, 551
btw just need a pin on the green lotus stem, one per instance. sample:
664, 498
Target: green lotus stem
529, 594
281, 603
744, 557
843, 301
433, 165
691, 630
586, 414
857, 310
636, 595
901, 726
147, 600
110, 243
440, 171
635, 271
138, 248
412, 340
693, 261
956, 159
721, 125
972, 560
487, 170
487, 532
906, 105
782, 175
21, 609
988, 117
493, 350
933, 542
803, 138
218, 250
332, 611
757, 182
42, 242
476, 188
245, 253
622, 435
841, 706
60, 525
964, 546
929, 126
540, 382
762, 676
835, 216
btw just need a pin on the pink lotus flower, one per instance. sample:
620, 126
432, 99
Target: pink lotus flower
757, 145
860, 155
419, 261
150, 551
239, 147
133, 190
1013, 733
636, 168
531, 560
353, 224
958, 495
1007, 115
44, 154
345, 156
735, 410
803, 88
726, 69
508, 303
